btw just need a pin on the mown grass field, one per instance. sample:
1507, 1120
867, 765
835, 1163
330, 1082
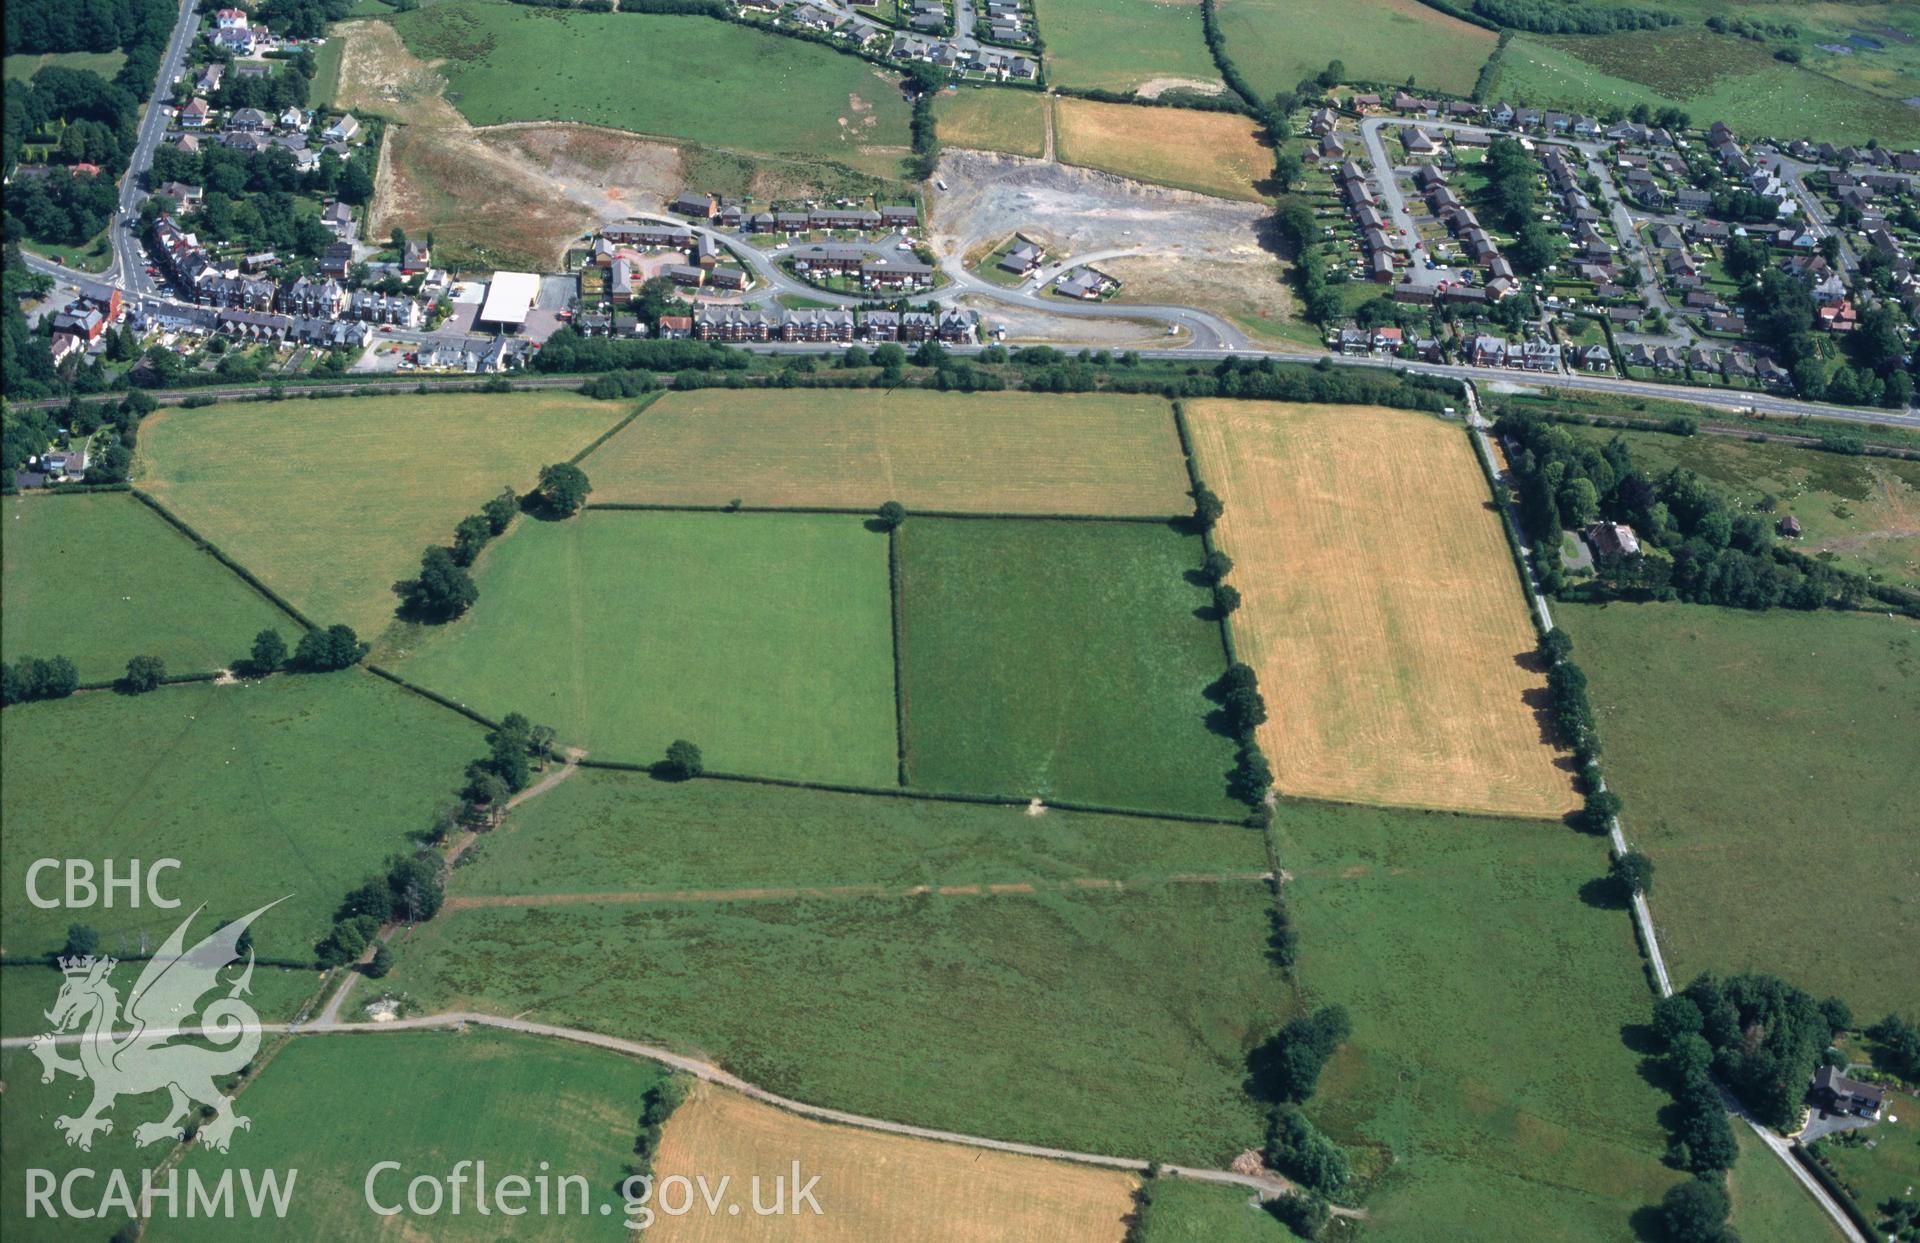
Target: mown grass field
21, 66
1489, 1090
1890, 1170
615, 832
1381, 611
875, 1186
1713, 77
1060, 661
1120, 45
1745, 745
100, 579
1103, 1022
994, 452
1863, 511
295, 787
1768, 1201
429, 1100
681, 77
1185, 1211
765, 639
1278, 42
1217, 153
330, 503
1013, 121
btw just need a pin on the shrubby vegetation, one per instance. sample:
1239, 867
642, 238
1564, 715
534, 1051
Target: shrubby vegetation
1299, 1150
1287, 1067
1560, 17
1696, 546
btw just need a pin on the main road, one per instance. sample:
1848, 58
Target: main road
129, 268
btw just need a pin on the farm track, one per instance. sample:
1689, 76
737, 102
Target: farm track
790, 893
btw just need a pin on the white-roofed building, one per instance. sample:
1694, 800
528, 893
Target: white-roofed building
509, 298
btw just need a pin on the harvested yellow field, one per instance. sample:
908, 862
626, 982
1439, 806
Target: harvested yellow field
875, 1186
983, 452
1380, 609
1216, 153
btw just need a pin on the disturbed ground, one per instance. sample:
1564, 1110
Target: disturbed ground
1173, 245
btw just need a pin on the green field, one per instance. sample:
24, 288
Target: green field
1103, 1022
29, 1141
1748, 747
1888, 1170
763, 638
100, 579
612, 832
21, 66
277, 994
1119, 45
1862, 513
1768, 1201
679, 77
331, 502
1060, 660
429, 1100
1713, 77
1488, 1091
295, 787
991, 120
1185, 1211
1278, 42
326, 78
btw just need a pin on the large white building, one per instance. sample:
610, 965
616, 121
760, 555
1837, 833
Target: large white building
509, 298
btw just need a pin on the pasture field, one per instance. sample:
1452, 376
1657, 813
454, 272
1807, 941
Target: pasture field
1014, 121
1381, 609
1490, 1089
1278, 42
1185, 1211
29, 1141
101, 578
1217, 153
995, 452
331, 502
616, 832
683, 77
1121, 45
763, 638
1768, 1201
1061, 660
1863, 511
521, 1101
277, 994
1713, 77
326, 77
1890, 1170
21, 66
1738, 742
875, 1186
295, 787
1005, 1016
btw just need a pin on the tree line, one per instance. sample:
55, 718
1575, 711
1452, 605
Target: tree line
1559, 17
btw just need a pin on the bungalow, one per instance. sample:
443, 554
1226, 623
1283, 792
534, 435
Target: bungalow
1666, 237
248, 119
342, 130
1596, 357
1364, 103
1418, 142
193, 113
1085, 284
1727, 325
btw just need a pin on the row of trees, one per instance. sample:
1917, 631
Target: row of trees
1557, 17
31, 677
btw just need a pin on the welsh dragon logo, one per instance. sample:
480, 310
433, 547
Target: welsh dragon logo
146, 1056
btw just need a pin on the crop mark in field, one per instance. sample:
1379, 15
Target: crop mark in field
791, 893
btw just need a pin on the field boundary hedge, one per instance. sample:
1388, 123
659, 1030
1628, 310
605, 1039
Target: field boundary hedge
615, 430
1811, 1161
868, 512
930, 796
899, 681
380, 671
1206, 535
213, 550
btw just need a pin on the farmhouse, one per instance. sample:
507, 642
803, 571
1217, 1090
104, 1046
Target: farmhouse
1613, 539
